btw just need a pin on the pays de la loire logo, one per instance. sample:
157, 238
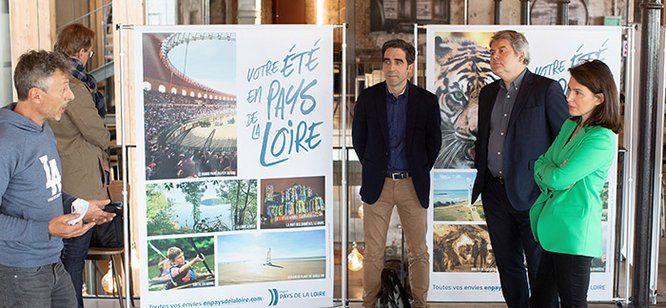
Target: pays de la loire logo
274, 297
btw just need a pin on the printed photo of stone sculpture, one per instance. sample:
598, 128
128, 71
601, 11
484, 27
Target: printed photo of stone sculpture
292, 202
462, 248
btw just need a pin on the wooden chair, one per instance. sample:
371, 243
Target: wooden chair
115, 255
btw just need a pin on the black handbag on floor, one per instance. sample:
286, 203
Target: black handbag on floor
392, 294
110, 234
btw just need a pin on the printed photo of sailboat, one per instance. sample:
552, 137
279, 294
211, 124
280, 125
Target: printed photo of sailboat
271, 256
268, 260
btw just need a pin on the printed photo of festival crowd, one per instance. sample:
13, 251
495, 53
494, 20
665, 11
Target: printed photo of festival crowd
293, 202
189, 108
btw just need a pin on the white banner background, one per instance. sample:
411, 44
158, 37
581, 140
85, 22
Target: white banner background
264, 57
553, 50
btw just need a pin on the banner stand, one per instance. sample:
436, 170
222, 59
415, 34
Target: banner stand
625, 207
122, 28
415, 78
344, 198
344, 157
626, 190
124, 150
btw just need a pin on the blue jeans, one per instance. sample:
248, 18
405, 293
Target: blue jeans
73, 257
36, 287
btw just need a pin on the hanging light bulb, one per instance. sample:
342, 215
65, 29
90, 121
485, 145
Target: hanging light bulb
108, 283
360, 211
355, 259
84, 291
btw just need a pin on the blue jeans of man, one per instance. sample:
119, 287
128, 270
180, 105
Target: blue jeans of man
36, 287
73, 257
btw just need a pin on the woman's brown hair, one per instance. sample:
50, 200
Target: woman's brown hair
72, 38
597, 77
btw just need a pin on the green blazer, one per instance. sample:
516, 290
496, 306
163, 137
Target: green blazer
566, 218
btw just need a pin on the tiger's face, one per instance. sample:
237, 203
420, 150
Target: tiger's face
463, 68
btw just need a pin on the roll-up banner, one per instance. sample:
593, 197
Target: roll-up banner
457, 67
235, 165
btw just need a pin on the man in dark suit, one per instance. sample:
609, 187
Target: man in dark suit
396, 136
519, 117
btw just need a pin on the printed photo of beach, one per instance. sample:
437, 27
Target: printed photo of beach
452, 194
271, 256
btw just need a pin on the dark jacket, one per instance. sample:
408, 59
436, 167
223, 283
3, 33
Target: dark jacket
536, 118
370, 139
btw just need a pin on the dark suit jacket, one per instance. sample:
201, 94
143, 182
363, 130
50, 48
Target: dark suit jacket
370, 138
536, 118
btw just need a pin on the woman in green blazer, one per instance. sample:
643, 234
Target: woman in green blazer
566, 218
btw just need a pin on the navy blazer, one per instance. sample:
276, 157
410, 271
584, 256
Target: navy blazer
370, 139
536, 118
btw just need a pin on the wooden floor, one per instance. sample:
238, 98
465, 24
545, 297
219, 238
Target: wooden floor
109, 303
355, 287
484, 305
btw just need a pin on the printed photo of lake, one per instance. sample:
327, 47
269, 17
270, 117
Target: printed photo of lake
201, 206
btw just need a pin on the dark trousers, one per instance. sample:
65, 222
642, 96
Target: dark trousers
563, 274
47, 286
73, 257
512, 242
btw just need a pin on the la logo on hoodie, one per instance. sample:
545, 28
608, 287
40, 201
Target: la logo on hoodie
52, 176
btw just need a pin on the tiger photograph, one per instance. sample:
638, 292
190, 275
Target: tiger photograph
462, 68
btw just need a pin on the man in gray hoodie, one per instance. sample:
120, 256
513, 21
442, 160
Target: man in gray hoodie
32, 203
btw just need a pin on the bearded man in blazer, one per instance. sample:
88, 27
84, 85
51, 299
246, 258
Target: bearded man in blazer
519, 117
396, 135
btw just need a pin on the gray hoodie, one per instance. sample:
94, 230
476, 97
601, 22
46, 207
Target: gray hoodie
30, 190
